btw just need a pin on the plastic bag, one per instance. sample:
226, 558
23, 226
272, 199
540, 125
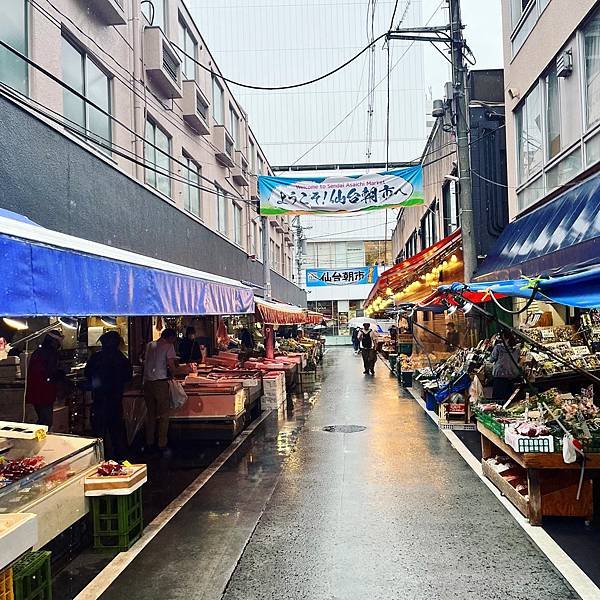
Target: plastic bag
177, 395
476, 393
569, 450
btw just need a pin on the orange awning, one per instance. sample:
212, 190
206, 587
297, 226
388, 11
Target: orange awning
395, 280
277, 313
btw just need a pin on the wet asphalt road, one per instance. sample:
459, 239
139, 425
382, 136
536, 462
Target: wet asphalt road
391, 512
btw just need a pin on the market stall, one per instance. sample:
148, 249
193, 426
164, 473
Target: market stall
540, 443
59, 282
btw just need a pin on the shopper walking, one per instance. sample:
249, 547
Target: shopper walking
506, 368
159, 367
367, 339
43, 377
107, 371
355, 342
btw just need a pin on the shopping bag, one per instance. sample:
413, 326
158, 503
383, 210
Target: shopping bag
569, 449
177, 395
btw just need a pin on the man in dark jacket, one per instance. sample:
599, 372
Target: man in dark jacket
108, 371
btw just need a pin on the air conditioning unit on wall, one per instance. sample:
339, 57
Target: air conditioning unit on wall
564, 63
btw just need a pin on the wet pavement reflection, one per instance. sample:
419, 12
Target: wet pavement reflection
387, 512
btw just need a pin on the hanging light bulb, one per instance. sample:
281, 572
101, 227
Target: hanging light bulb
467, 307
18, 324
454, 258
109, 321
69, 322
452, 309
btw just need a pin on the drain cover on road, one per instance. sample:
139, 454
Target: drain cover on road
344, 428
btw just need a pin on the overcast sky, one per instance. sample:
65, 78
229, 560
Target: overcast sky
483, 32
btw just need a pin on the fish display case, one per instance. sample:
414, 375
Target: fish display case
45, 476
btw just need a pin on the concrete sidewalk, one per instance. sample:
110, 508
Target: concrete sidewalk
389, 512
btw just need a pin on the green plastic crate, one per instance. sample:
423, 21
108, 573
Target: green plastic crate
117, 521
490, 423
32, 577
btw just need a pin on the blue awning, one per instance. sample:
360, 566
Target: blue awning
46, 273
580, 289
560, 236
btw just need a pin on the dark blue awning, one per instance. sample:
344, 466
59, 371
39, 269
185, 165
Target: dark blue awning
46, 273
560, 236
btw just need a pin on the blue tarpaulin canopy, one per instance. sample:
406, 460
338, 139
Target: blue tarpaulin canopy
46, 273
580, 289
559, 236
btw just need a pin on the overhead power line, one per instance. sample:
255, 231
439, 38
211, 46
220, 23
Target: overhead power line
102, 142
280, 87
103, 111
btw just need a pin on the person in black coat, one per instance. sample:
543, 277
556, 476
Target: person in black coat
107, 372
189, 349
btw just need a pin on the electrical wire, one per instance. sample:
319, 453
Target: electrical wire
156, 103
282, 87
334, 128
104, 112
75, 128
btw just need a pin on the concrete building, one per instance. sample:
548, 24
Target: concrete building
419, 227
273, 43
552, 94
339, 245
153, 154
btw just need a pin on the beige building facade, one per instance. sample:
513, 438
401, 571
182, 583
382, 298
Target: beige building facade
552, 92
145, 108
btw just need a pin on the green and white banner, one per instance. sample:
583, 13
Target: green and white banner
341, 194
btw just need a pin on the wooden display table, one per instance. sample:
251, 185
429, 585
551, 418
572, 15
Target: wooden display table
551, 484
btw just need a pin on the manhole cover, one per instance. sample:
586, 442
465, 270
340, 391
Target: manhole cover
344, 428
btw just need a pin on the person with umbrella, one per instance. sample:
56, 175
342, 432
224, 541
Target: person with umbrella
367, 340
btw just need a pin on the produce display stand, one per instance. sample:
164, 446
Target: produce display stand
551, 483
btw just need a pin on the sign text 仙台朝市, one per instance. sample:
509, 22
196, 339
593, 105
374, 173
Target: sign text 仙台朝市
356, 276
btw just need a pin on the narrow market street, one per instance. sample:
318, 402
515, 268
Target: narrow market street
390, 511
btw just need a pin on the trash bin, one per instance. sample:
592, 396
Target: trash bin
407, 377
393, 358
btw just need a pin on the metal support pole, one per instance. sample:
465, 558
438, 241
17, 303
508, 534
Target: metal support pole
266, 236
460, 106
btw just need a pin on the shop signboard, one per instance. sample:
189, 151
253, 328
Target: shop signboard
355, 276
341, 194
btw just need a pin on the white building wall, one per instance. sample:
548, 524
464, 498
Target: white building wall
276, 42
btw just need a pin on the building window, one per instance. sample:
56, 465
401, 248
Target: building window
529, 135
259, 246
591, 36
429, 227
552, 113
518, 7
237, 224
252, 157
221, 211
260, 164
190, 49
157, 152
191, 189
13, 31
234, 127
158, 7
450, 207
83, 75
411, 245
217, 100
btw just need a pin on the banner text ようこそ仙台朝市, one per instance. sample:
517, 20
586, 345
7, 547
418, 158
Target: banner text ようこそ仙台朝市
356, 276
352, 193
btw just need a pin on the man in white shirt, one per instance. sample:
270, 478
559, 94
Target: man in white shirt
159, 366
367, 340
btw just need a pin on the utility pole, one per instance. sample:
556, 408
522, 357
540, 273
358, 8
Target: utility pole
451, 35
461, 115
266, 236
